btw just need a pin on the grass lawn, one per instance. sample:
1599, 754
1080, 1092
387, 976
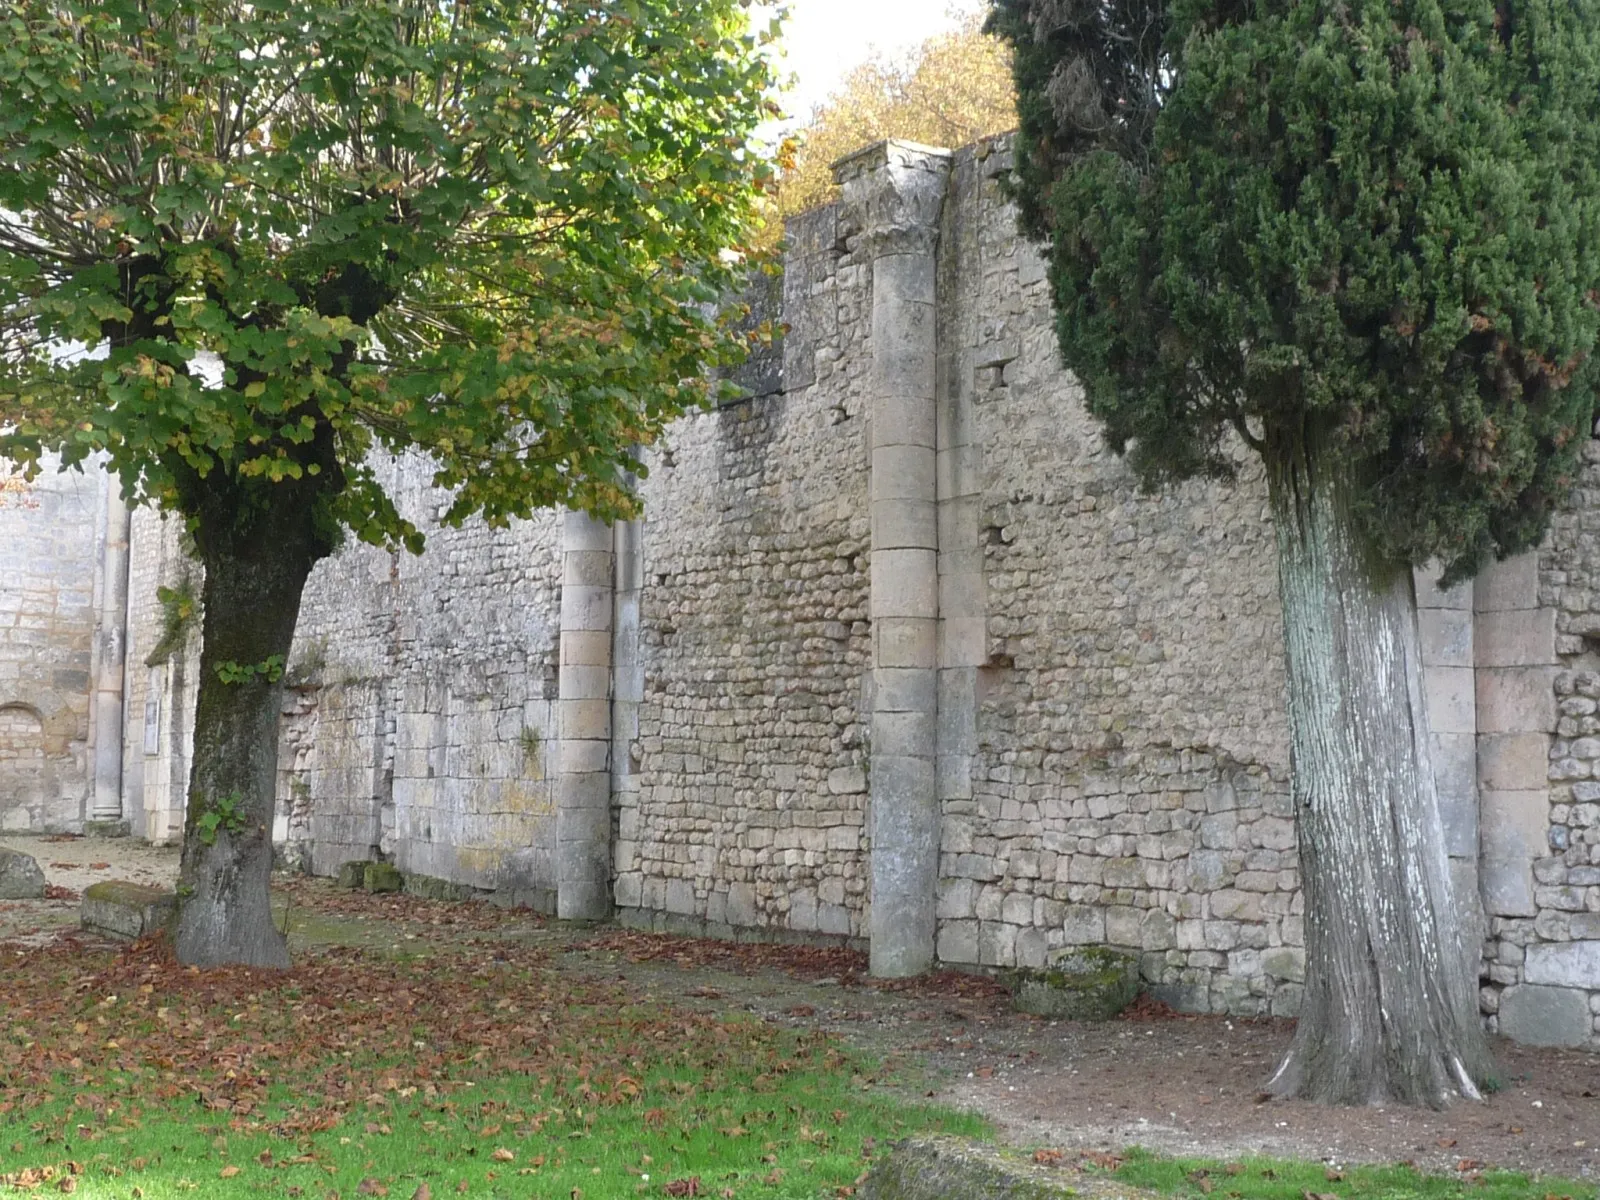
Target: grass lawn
481, 1068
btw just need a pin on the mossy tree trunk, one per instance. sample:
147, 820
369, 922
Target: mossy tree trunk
255, 575
1389, 1012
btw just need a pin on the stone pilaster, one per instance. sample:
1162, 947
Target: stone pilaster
111, 633
1514, 650
583, 747
1448, 679
893, 193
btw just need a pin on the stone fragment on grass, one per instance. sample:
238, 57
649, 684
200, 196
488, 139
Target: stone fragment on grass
1088, 983
353, 874
20, 876
126, 910
382, 877
950, 1168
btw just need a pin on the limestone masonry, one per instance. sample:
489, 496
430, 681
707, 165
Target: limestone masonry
898, 655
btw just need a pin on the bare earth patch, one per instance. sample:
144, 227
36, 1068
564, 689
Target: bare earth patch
1172, 1083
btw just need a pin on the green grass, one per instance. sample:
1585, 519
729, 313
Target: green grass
1277, 1179
747, 1110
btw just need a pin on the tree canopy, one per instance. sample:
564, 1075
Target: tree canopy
1378, 220
487, 231
951, 90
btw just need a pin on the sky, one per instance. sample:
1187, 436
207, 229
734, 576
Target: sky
825, 38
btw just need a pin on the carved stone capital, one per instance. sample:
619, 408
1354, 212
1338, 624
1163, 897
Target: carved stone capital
893, 191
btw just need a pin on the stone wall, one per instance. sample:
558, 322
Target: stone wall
419, 705
750, 808
899, 655
50, 535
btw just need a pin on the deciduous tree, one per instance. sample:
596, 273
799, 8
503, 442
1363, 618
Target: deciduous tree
1364, 237
485, 231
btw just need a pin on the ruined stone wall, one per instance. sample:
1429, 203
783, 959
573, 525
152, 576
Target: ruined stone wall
1539, 690
750, 808
49, 546
1128, 785
418, 708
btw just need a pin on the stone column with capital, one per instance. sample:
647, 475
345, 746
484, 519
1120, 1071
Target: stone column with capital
893, 193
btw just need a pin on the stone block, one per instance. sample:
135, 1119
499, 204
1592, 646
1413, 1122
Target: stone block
1430, 596
1510, 762
1545, 1016
586, 607
1450, 699
1516, 638
127, 910
1514, 700
905, 641
1447, 637
1093, 984
958, 941
20, 876
902, 524
902, 473
1564, 964
1455, 778
905, 583
1509, 584
353, 874
381, 877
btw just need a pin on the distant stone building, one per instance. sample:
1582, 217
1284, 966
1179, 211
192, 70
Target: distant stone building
899, 655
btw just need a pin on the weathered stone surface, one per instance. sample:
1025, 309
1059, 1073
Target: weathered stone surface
382, 877
944, 1168
353, 874
20, 876
1545, 1016
1564, 964
127, 910
1092, 984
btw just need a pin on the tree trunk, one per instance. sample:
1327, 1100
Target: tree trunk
1390, 1012
252, 600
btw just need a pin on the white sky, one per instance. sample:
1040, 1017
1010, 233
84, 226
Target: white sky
825, 38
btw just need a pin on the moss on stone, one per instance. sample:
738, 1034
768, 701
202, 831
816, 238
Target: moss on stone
382, 877
1090, 984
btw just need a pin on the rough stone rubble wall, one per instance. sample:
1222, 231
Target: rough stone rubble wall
750, 808
49, 546
419, 709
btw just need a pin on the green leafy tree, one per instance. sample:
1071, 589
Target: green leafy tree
486, 231
1363, 237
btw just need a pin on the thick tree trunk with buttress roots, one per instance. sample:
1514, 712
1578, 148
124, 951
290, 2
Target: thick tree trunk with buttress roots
252, 600
1390, 1011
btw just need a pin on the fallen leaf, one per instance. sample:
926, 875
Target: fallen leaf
228, 1172
423, 1192
371, 1187
684, 1187
503, 1155
1050, 1158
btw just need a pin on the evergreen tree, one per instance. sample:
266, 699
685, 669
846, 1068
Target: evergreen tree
1364, 237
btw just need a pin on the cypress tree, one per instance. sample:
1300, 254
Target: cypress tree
1363, 236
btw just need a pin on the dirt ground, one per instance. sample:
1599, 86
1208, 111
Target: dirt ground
1173, 1083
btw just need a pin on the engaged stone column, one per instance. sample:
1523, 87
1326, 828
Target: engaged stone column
111, 623
583, 747
893, 193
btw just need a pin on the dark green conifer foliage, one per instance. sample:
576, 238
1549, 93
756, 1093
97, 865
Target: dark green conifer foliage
1376, 221
1363, 236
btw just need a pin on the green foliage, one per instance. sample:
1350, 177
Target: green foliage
224, 812
491, 233
269, 670
1371, 228
178, 607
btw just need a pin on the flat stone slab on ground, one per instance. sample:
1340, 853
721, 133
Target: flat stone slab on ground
950, 1168
20, 876
127, 910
